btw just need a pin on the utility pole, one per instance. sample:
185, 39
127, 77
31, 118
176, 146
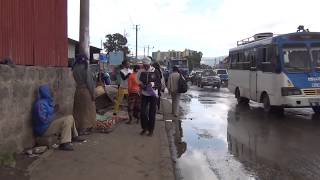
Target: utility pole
148, 49
136, 27
84, 37
144, 51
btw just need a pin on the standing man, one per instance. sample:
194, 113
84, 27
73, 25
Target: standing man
160, 84
84, 108
149, 92
173, 84
134, 100
123, 87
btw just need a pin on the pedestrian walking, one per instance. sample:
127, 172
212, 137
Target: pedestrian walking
149, 91
123, 87
84, 109
160, 84
134, 100
173, 85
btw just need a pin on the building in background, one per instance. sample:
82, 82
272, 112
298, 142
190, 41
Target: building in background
164, 56
73, 50
160, 56
212, 61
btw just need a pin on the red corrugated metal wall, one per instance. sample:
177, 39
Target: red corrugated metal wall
34, 32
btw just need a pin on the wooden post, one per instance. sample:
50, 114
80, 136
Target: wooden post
84, 37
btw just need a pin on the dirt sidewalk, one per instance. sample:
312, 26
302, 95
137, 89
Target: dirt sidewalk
120, 155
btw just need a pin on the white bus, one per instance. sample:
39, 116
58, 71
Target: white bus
279, 71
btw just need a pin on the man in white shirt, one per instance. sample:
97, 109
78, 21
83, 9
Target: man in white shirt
148, 79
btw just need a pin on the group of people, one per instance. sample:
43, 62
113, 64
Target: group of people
143, 86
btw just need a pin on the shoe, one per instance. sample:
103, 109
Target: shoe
77, 139
66, 147
84, 132
150, 133
143, 132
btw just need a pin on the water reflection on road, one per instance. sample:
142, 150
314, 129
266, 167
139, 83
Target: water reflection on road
217, 139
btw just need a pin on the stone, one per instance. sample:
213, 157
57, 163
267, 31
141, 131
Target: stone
6, 73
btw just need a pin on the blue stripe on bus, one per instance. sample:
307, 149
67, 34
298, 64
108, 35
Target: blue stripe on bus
304, 80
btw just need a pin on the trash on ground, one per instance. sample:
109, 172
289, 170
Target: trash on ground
39, 149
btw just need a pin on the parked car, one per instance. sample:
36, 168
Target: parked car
224, 76
209, 78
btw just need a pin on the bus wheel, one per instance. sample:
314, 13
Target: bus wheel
266, 103
316, 109
241, 100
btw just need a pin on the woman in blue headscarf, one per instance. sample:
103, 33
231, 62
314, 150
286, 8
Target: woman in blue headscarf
84, 110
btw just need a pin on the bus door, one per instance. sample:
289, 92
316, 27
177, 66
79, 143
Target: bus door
253, 76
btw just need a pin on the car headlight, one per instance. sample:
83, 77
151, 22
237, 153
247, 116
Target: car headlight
289, 91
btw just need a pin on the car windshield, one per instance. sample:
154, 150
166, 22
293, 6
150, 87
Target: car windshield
208, 73
221, 71
297, 59
315, 51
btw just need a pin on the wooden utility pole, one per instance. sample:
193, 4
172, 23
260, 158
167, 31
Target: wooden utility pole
136, 27
84, 37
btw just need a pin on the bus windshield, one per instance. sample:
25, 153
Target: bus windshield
315, 51
297, 59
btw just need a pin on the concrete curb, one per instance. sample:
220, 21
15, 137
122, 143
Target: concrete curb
167, 165
38, 161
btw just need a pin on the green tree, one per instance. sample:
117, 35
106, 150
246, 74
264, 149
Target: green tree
116, 42
194, 60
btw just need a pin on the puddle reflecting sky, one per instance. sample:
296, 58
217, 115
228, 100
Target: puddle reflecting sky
219, 140
204, 138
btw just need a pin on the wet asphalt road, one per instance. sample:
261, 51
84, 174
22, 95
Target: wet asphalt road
217, 139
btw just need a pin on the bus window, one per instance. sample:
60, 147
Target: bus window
268, 59
232, 61
264, 55
296, 58
315, 51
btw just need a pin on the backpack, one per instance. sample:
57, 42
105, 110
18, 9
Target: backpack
182, 85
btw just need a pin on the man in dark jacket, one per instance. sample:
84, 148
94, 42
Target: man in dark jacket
46, 122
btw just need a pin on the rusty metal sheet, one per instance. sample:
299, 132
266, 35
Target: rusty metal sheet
34, 32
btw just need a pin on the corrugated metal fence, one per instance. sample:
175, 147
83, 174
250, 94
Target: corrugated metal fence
34, 32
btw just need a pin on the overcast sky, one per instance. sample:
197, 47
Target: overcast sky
210, 26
